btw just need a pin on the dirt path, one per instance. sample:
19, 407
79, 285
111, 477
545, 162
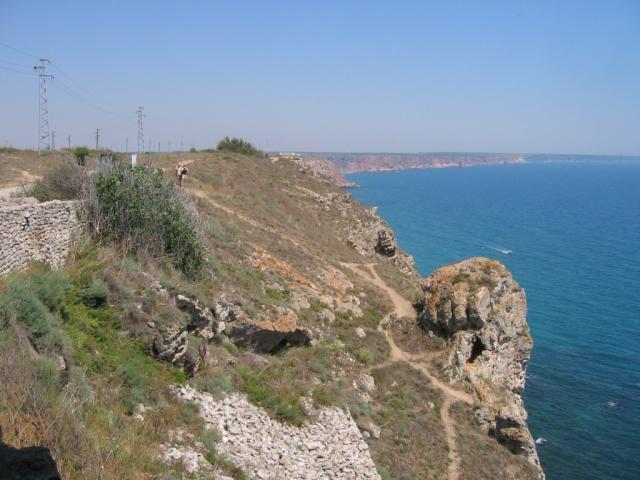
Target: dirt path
245, 218
17, 185
403, 308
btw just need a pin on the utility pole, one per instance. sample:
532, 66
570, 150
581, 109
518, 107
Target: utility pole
181, 146
43, 111
53, 140
158, 147
126, 145
98, 143
69, 142
141, 116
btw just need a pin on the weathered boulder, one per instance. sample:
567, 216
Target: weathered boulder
170, 345
371, 236
386, 243
275, 331
202, 320
263, 339
481, 310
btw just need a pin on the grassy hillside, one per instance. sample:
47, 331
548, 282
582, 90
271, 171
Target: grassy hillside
275, 250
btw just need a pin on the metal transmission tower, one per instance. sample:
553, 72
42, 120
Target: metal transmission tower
98, 143
53, 140
43, 112
69, 142
141, 116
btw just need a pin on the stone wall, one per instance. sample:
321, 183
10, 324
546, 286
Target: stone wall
36, 232
330, 448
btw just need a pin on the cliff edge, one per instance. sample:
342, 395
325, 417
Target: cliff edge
480, 310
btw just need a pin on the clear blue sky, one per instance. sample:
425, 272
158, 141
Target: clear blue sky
402, 76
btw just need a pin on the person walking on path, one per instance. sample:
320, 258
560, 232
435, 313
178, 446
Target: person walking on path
179, 171
183, 176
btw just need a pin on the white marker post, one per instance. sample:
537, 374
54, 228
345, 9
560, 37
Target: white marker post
134, 159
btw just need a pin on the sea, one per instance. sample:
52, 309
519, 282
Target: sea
570, 234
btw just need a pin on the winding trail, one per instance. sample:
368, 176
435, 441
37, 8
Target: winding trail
403, 308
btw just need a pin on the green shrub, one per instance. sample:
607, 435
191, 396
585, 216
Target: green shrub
216, 386
139, 209
363, 355
384, 475
237, 145
81, 154
95, 295
50, 287
281, 400
20, 304
322, 396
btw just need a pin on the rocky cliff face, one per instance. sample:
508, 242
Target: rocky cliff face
480, 310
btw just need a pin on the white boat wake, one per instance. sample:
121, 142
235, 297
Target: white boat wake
504, 251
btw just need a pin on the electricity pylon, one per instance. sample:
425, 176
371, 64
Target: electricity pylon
43, 111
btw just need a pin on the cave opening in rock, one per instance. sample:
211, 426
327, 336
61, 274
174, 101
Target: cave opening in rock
476, 350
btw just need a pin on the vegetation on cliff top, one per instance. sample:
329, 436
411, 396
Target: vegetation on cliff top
238, 145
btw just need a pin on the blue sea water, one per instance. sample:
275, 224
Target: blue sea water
574, 230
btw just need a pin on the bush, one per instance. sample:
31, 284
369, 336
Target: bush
18, 303
50, 287
139, 209
81, 154
95, 295
64, 181
280, 400
237, 145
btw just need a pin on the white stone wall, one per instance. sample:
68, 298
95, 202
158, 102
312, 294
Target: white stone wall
36, 232
330, 448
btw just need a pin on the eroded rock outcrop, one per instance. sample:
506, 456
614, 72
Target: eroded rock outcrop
481, 310
280, 331
373, 236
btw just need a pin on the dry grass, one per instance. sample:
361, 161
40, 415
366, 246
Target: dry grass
482, 457
412, 444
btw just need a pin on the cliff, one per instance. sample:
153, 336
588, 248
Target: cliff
480, 310
376, 162
299, 327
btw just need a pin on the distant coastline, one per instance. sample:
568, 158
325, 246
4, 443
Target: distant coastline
337, 164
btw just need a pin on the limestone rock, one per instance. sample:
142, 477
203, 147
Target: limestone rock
201, 317
330, 448
373, 236
481, 310
360, 333
171, 345
264, 339
369, 426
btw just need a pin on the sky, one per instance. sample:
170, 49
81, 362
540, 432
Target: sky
517, 76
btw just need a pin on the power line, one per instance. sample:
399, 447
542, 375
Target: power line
17, 71
22, 52
85, 93
77, 95
14, 64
